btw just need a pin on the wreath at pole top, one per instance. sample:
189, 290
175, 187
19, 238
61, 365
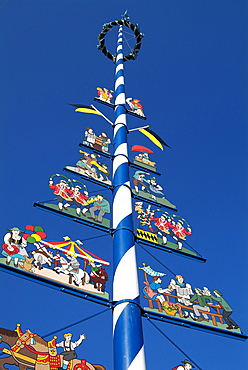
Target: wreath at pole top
124, 22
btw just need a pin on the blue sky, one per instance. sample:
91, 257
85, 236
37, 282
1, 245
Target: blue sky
191, 76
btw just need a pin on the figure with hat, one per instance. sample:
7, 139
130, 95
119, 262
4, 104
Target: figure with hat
162, 227
105, 142
154, 290
89, 137
138, 179
68, 346
104, 94
74, 265
179, 233
102, 172
135, 106
145, 215
94, 269
154, 188
227, 310
187, 365
201, 296
79, 199
61, 190
14, 247
99, 204
86, 163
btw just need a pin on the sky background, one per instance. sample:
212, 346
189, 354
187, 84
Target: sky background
191, 77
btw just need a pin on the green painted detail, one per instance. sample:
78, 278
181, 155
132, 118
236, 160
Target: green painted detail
175, 246
147, 166
189, 319
165, 202
72, 212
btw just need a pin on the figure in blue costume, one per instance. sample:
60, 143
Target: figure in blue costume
150, 290
154, 188
103, 171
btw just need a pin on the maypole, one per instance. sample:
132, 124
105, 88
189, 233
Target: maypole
177, 304
127, 325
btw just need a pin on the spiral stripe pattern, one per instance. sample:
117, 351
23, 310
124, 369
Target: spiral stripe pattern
127, 325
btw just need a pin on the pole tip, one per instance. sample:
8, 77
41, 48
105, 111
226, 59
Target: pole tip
125, 16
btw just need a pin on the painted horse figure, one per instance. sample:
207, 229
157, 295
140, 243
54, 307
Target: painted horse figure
47, 358
99, 279
42, 256
72, 268
21, 357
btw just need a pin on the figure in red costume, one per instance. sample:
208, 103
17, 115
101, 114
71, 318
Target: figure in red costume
79, 199
162, 226
61, 190
179, 233
135, 106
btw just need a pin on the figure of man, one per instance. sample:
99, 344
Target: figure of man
162, 227
103, 171
79, 199
139, 207
145, 217
82, 165
135, 106
227, 310
62, 192
89, 137
104, 94
14, 247
138, 178
179, 233
68, 346
154, 188
145, 157
87, 162
109, 94
74, 265
105, 142
184, 291
154, 290
100, 204
94, 268
187, 365
201, 296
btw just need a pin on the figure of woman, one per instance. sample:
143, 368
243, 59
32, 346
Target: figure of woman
14, 247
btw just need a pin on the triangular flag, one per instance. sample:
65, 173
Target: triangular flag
157, 140
85, 109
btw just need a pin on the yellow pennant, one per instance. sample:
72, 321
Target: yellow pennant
152, 138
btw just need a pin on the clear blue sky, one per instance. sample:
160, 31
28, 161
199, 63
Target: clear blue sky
191, 76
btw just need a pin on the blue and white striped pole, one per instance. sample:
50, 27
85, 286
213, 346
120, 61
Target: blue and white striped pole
127, 324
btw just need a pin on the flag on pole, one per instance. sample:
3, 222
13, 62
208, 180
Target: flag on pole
157, 140
151, 272
90, 109
86, 109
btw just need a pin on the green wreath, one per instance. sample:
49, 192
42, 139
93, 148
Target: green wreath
124, 22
